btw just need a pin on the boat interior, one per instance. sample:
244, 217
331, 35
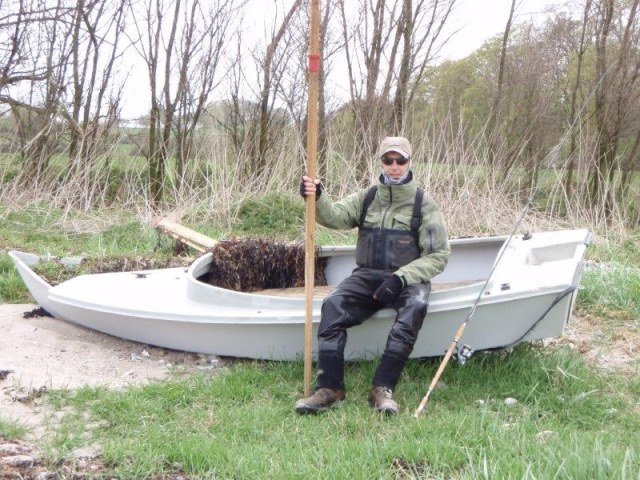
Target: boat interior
470, 262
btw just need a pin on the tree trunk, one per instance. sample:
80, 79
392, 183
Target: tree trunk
568, 180
494, 115
400, 99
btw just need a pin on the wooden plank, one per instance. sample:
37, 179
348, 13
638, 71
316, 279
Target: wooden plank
323, 291
194, 239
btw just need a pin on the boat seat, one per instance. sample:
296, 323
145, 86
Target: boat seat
323, 291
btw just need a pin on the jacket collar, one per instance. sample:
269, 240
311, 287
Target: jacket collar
397, 192
407, 179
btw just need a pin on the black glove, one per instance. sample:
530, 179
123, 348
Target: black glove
389, 290
304, 195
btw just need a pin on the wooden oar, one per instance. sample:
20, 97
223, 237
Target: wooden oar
310, 214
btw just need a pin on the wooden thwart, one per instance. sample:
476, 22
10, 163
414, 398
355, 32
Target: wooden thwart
296, 292
321, 292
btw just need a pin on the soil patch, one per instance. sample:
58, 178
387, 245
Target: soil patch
40, 353
608, 349
43, 353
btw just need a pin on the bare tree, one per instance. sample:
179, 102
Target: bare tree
530, 117
617, 78
388, 47
21, 28
201, 76
271, 75
95, 47
261, 107
493, 116
180, 43
422, 29
582, 48
292, 89
33, 55
368, 40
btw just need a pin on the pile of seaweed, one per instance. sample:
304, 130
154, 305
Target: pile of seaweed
248, 264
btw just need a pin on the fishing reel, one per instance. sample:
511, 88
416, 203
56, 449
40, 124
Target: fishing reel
463, 354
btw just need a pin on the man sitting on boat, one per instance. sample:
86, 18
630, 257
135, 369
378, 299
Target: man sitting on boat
402, 244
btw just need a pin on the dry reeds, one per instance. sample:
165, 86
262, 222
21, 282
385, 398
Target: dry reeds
476, 198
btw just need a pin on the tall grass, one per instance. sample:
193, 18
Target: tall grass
476, 197
612, 289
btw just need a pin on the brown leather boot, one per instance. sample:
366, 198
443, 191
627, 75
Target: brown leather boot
321, 399
381, 399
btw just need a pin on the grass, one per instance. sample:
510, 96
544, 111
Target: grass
45, 230
569, 422
273, 213
12, 289
611, 290
11, 430
624, 250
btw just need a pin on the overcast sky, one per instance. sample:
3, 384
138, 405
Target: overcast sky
474, 20
479, 20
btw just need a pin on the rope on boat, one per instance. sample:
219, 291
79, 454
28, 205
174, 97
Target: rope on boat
558, 298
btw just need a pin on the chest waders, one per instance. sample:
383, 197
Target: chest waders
379, 253
386, 248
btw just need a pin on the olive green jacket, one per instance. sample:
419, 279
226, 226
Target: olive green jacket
392, 208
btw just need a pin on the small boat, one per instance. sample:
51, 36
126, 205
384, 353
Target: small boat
524, 286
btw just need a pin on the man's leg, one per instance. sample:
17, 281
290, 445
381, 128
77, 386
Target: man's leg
350, 304
411, 308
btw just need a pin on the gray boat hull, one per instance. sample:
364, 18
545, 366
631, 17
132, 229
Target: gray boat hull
172, 308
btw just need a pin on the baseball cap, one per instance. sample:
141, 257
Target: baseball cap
395, 144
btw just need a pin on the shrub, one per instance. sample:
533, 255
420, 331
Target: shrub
272, 214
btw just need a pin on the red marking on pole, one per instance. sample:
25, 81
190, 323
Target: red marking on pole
314, 63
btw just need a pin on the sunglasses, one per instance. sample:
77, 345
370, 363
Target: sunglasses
400, 161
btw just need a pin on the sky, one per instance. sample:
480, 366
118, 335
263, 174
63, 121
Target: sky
473, 22
479, 20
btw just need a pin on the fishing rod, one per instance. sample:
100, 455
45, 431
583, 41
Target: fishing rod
466, 351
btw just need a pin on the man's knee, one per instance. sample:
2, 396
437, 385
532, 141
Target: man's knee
409, 320
414, 304
334, 319
402, 338
330, 307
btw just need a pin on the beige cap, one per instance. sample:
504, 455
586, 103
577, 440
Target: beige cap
395, 144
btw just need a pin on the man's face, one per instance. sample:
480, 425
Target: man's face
395, 170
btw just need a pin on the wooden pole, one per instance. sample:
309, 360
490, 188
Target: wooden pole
310, 214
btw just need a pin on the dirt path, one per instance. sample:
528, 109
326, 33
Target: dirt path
44, 353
